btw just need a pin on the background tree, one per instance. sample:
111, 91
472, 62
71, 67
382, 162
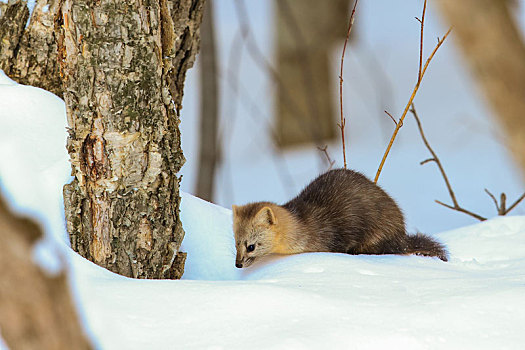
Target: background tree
37, 309
307, 32
210, 148
493, 46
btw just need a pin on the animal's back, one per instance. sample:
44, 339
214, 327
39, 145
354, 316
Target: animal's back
343, 211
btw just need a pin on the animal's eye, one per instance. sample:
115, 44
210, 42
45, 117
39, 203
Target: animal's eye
250, 248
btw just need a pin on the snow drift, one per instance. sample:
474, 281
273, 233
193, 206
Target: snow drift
307, 301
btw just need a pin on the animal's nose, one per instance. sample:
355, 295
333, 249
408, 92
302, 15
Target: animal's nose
238, 265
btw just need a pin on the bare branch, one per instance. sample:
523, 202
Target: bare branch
435, 158
343, 121
427, 161
503, 204
515, 203
330, 161
390, 115
494, 200
422, 22
462, 210
500, 207
416, 88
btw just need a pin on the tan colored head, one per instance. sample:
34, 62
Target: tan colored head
254, 226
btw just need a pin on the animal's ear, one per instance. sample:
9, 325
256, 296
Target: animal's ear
234, 209
266, 215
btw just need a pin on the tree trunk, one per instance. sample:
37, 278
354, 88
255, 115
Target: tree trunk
13, 16
123, 65
306, 33
493, 47
37, 311
209, 147
29, 55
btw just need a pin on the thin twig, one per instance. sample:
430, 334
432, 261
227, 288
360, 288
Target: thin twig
435, 159
503, 204
462, 210
494, 200
343, 120
416, 88
422, 21
390, 115
500, 207
434, 156
327, 155
515, 203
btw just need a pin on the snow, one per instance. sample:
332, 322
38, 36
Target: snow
211, 241
306, 301
34, 162
317, 300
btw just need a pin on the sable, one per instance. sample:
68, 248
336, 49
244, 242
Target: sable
340, 211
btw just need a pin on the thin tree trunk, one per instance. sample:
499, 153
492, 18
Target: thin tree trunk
209, 147
306, 33
29, 55
123, 67
37, 311
493, 47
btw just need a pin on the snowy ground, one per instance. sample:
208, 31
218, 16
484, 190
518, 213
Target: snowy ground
308, 301
319, 300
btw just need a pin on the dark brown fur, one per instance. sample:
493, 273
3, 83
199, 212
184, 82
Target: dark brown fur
350, 214
340, 211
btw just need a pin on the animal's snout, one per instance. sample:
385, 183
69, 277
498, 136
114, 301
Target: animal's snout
238, 265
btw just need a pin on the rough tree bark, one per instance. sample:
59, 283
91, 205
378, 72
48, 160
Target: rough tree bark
493, 47
123, 65
209, 147
13, 17
37, 311
28, 55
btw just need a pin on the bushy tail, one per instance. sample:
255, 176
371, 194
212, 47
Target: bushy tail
421, 244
